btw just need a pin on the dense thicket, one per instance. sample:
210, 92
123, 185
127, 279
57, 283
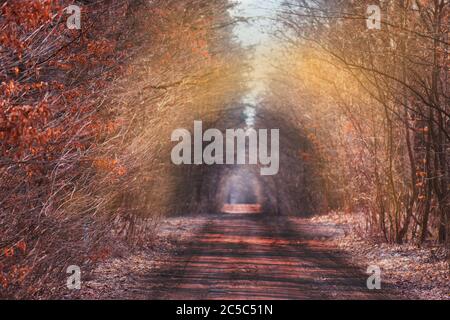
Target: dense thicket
85, 123
376, 105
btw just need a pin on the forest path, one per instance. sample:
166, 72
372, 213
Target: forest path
252, 256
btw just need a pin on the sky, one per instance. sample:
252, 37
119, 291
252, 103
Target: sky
261, 10
256, 33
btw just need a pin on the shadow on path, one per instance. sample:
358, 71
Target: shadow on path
257, 257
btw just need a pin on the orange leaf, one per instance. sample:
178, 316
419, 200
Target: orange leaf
22, 246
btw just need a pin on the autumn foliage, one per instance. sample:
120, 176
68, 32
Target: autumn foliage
84, 129
375, 105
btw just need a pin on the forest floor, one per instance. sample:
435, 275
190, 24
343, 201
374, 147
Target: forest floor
415, 272
239, 256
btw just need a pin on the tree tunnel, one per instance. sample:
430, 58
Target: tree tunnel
295, 190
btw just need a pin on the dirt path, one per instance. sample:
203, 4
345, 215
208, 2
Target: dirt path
256, 257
